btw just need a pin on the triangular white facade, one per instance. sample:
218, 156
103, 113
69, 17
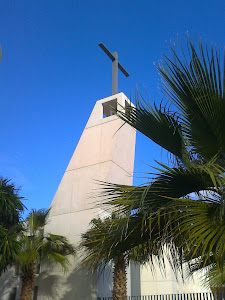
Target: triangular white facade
105, 152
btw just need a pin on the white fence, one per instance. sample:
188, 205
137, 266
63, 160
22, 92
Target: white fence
191, 296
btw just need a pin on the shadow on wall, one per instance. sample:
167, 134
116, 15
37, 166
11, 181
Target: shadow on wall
52, 284
6, 282
75, 285
47, 285
105, 281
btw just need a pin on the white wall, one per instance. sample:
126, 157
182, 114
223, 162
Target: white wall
103, 153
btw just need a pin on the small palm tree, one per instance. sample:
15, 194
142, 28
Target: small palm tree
107, 242
37, 247
96, 241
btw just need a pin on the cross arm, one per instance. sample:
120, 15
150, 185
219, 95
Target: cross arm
123, 70
106, 50
110, 55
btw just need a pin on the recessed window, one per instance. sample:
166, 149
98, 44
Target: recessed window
109, 108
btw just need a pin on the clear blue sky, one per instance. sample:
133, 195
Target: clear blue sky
53, 71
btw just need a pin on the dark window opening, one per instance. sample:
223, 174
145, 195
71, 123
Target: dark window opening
109, 108
12, 295
35, 293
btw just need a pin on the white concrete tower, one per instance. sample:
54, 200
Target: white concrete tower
105, 152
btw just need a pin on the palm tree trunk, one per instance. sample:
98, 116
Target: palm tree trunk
218, 294
120, 279
28, 277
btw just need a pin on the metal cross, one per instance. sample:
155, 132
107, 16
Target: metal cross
115, 65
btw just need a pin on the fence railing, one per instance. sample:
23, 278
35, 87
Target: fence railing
191, 296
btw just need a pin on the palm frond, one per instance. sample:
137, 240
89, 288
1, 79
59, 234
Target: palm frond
11, 208
158, 124
164, 214
53, 258
11, 205
56, 243
196, 86
168, 183
9, 248
107, 240
37, 219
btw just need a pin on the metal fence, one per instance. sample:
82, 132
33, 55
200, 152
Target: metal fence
191, 296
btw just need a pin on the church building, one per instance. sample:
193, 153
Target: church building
105, 152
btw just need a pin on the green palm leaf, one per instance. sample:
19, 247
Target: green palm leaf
9, 247
160, 125
197, 89
162, 213
11, 209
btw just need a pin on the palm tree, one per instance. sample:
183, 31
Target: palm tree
11, 208
185, 196
97, 256
37, 247
107, 242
